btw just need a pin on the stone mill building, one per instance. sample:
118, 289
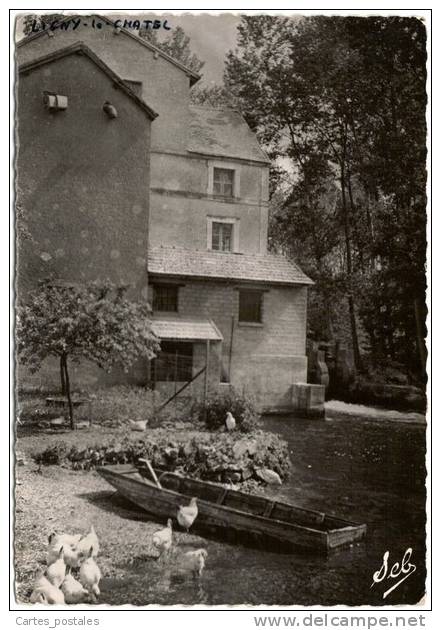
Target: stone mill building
119, 176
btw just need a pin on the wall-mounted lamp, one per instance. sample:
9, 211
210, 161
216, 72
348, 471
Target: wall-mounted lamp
54, 102
110, 110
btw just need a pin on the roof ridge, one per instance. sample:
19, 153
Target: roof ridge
193, 75
80, 46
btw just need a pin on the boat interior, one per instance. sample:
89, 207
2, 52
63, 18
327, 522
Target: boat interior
233, 499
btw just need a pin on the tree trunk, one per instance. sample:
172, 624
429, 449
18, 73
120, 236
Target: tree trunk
352, 317
68, 394
360, 245
62, 378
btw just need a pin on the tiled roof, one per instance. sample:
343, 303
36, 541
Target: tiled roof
224, 133
185, 328
180, 262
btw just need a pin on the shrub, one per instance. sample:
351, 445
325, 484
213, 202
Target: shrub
218, 457
52, 455
215, 410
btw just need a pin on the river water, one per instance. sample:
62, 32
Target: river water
367, 471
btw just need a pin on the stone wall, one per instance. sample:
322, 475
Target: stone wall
82, 178
180, 204
265, 359
165, 87
84, 204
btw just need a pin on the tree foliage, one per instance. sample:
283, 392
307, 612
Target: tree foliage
339, 105
177, 45
211, 96
94, 322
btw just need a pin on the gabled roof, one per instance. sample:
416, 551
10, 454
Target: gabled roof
82, 49
194, 77
224, 133
205, 264
177, 327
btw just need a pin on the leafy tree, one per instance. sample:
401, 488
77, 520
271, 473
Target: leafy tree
73, 322
177, 45
305, 227
212, 96
342, 100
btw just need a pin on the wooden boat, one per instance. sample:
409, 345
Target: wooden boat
242, 517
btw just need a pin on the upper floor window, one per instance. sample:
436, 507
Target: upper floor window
223, 234
222, 237
224, 179
223, 182
165, 297
250, 306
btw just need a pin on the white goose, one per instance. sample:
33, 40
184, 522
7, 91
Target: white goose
163, 538
230, 422
187, 514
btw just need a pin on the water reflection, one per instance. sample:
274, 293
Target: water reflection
365, 471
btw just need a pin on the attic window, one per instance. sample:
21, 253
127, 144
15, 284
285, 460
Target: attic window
223, 182
223, 179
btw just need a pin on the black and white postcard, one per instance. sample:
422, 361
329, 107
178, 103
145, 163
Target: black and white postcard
220, 336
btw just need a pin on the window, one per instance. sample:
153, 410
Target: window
165, 297
250, 306
175, 362
223, 234
223, 182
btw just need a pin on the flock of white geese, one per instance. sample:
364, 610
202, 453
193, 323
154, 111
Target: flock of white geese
76, 553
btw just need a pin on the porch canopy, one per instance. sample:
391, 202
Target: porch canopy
186, 329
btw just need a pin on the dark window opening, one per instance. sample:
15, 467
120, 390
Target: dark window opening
223, 182
222, 236
250, 306
174, 363
165, 297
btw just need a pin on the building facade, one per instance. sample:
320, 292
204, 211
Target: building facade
195, 209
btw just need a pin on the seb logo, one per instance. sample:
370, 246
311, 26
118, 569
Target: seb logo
386, 574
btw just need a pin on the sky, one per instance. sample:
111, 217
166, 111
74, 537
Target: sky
212, 36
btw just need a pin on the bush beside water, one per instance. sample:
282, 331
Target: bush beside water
220, 457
